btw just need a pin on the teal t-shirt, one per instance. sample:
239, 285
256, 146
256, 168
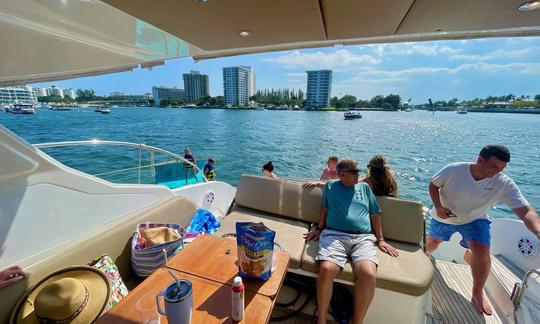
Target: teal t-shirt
349, 208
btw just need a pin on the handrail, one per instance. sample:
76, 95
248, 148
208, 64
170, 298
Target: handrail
521, 292
142, 147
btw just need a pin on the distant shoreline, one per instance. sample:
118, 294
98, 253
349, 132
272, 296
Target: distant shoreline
533, 111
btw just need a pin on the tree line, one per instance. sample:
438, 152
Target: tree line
390, 102
511, 99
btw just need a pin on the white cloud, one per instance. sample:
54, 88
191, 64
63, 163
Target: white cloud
338, 60
449, 50
412, 49
498, 54
387, 78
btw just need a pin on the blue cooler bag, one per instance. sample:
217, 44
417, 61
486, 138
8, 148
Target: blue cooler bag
255, 244
144, 260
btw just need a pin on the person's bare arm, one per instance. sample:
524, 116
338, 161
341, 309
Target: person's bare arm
314, 235
442, 211
313, 184
529, 216
377, 230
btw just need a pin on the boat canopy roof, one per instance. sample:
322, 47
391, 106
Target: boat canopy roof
59, 39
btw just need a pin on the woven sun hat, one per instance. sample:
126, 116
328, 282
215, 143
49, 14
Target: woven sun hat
76, 294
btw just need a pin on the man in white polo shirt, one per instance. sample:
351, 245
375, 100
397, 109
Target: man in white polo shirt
462, 194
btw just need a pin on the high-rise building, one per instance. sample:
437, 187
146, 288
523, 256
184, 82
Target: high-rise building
251, 82
319, 89
55, 91
40, 92
70, 93
13, 95
195, 85
173, 94
236, 85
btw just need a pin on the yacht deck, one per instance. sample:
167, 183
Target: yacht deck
451, 293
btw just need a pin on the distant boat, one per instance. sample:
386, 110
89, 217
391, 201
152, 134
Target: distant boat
103, 110
21, 109
408, 110
60, 108
352, 115
462, 110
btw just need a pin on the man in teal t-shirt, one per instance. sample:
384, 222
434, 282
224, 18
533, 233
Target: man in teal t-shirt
349, 227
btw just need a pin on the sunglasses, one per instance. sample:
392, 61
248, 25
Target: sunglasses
352, 171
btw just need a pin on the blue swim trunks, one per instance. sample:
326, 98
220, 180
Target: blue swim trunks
478, 230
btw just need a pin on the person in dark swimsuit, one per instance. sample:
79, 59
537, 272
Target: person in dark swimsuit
190, 166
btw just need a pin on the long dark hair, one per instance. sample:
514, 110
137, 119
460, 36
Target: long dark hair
381, 177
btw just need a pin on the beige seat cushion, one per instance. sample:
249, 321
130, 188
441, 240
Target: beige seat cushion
279, 197
410, 273
288, 232
402, 220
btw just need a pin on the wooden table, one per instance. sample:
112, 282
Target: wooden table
211, 302
215, 258
209, 262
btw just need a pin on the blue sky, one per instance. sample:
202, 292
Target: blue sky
463, 69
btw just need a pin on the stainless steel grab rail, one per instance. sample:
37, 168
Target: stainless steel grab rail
141, 147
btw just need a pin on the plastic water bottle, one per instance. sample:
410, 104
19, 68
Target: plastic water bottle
237, 303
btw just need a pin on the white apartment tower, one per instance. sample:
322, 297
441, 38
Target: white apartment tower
56, 91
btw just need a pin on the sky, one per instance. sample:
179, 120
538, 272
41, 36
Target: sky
441, 70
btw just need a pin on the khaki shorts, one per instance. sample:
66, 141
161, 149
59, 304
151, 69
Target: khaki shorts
337, 247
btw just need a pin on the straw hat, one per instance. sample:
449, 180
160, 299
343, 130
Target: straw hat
72, 295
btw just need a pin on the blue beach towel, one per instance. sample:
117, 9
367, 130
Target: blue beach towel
204, 221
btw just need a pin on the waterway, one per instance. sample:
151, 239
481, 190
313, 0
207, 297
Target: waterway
417, 144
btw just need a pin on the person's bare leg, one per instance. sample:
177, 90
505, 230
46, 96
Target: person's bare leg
364, 288
325, 284
480, 267
432, 244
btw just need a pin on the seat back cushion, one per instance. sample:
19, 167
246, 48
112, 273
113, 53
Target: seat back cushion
113, 239
280, 197
402, 220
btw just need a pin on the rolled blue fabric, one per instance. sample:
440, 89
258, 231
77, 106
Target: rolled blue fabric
204, 221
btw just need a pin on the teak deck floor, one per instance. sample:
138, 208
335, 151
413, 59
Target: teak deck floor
451, 293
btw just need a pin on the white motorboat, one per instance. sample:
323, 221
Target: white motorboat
54, 216
352, 115
25, 109
462, 110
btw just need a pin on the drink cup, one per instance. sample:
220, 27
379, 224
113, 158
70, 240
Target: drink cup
147, 308
178, 302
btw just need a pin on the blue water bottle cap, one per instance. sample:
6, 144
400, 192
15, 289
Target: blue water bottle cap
177, 294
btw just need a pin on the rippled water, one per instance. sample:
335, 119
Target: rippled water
417, 144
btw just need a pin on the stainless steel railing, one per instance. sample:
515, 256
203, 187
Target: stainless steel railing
140, 147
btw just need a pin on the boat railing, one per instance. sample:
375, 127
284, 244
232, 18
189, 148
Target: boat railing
519, 289
140, 147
